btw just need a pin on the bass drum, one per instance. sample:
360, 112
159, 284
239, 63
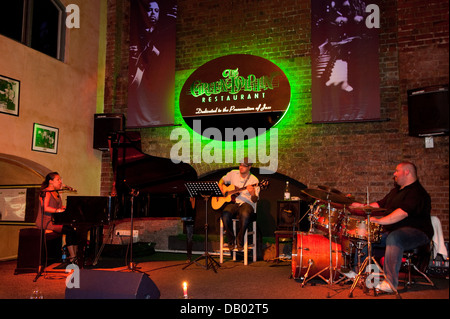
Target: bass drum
313, 251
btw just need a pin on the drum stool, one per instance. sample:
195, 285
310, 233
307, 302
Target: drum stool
421, 256
247, 245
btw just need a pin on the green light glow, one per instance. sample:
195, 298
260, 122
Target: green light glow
298, 74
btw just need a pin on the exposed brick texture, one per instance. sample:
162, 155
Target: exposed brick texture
349, 157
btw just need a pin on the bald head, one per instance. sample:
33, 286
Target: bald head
405, 174
410, 167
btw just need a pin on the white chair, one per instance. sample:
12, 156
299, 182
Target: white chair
247, 245
438, 239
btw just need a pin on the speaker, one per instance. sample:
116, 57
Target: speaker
104, 125
103, 284
289, 214
428, 111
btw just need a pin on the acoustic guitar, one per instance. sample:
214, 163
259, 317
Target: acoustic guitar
231, 192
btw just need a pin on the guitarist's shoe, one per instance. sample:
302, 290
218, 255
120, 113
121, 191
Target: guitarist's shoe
231, 247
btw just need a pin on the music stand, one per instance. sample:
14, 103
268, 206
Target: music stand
205, 190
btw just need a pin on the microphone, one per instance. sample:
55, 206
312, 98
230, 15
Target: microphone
68, 188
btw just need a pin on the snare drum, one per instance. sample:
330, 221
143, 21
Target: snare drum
356, 227
319, 219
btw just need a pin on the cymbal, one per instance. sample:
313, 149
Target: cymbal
327, 196
303, 197
324, 188
336, 191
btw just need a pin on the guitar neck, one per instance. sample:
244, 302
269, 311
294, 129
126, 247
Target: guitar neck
238, 190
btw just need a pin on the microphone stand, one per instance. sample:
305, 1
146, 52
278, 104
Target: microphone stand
42, 234
132, 265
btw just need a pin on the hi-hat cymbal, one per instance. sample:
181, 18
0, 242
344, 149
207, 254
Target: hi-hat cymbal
327, 196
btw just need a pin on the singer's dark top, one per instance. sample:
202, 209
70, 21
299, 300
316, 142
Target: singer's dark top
55, 202
414, 200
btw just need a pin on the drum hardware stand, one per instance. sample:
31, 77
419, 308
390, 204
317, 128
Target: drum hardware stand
359, 248
330, 267
310, 213
205, 190
310, 263
368, 261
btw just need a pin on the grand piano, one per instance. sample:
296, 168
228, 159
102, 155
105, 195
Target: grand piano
156, 184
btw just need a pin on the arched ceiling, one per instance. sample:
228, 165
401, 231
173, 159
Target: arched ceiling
16, 170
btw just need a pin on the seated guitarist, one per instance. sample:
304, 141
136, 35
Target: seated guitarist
244, 204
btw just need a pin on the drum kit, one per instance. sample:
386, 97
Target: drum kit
337, 234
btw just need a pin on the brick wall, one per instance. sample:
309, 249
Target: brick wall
349, 157
423, 60
150, 230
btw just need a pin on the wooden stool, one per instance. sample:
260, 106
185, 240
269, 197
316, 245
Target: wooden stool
247, 246
281, 234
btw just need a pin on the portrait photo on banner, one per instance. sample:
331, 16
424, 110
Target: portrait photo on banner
151, 63
345, 61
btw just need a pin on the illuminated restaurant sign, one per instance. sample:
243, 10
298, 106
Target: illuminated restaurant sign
235, 93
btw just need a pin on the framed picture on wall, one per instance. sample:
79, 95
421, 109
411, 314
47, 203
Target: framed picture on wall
45, 138
19, 203
9, 95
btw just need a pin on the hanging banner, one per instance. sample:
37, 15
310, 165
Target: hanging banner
151, 63
345, 61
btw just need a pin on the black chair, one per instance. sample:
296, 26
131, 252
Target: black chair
28, 252
417, 261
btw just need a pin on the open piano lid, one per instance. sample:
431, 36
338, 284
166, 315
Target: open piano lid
145, 173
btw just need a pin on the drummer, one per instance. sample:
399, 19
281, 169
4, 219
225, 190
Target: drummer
407, 222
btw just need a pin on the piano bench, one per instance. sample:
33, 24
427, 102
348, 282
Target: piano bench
28, 252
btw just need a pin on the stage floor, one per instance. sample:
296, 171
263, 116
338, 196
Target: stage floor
259, 280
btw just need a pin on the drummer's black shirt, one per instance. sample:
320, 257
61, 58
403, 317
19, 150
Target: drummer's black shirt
414, 200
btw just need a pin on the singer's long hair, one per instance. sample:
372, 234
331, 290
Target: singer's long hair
48, 178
